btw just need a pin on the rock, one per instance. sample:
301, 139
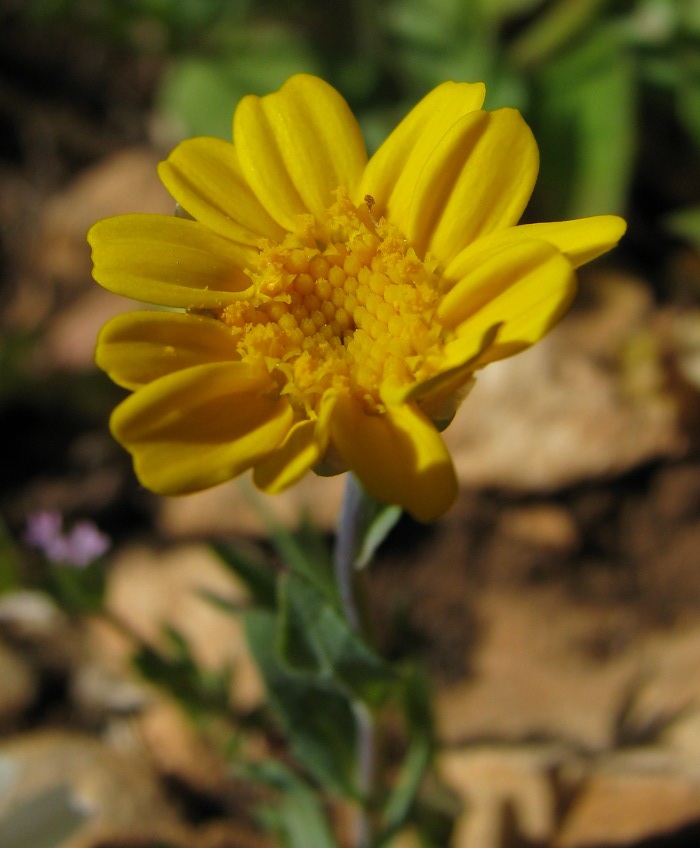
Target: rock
629, 797
72, 791
547, 526
508, 795
19, 686
590, 401
182, 753
664, 705
150, 590
531, 676
33, 621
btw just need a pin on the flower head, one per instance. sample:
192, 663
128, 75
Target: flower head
334, 308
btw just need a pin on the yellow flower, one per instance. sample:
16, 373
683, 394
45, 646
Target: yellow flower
335, 309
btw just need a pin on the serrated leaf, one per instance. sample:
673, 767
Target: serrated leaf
315, 638
317, 719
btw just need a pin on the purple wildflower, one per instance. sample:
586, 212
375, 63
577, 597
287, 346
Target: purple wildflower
83, 544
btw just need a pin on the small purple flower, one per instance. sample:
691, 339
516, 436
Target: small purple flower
83, 544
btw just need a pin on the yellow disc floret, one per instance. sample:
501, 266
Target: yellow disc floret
340, 304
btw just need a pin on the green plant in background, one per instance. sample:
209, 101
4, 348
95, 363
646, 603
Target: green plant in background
580, 70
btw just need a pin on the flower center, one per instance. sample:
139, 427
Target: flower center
341, 304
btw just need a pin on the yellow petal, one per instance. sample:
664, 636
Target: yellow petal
479, 178
204, 176
168, 261
580, 240
299, 452
521, 291
399, 457
200, 427
297, 146
404, 153
139, 347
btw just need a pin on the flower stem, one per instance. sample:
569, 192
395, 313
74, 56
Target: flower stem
347, 545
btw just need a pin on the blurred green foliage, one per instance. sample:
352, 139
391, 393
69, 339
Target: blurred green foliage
580, 70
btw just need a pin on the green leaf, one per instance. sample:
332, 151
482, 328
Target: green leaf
297, 818
199, 93
315, 638
9, 561
553, 30
688, 92
584, 120
317, 719
363, 526
78, 590
416, 704
251, 567
302, 551
686, 224
199, 692
379, 523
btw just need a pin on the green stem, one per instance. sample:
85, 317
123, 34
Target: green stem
347, 545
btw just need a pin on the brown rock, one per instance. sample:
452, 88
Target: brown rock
532, 676
629, 798
589, 401
508, 795
149, 590
18, 685
79, 791
546, 526
180, 752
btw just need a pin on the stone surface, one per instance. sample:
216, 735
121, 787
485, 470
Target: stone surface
531, 676
589, 401
508, 795
149, 590
631, 797
32, 620
179, 751
80, 791
18, 685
